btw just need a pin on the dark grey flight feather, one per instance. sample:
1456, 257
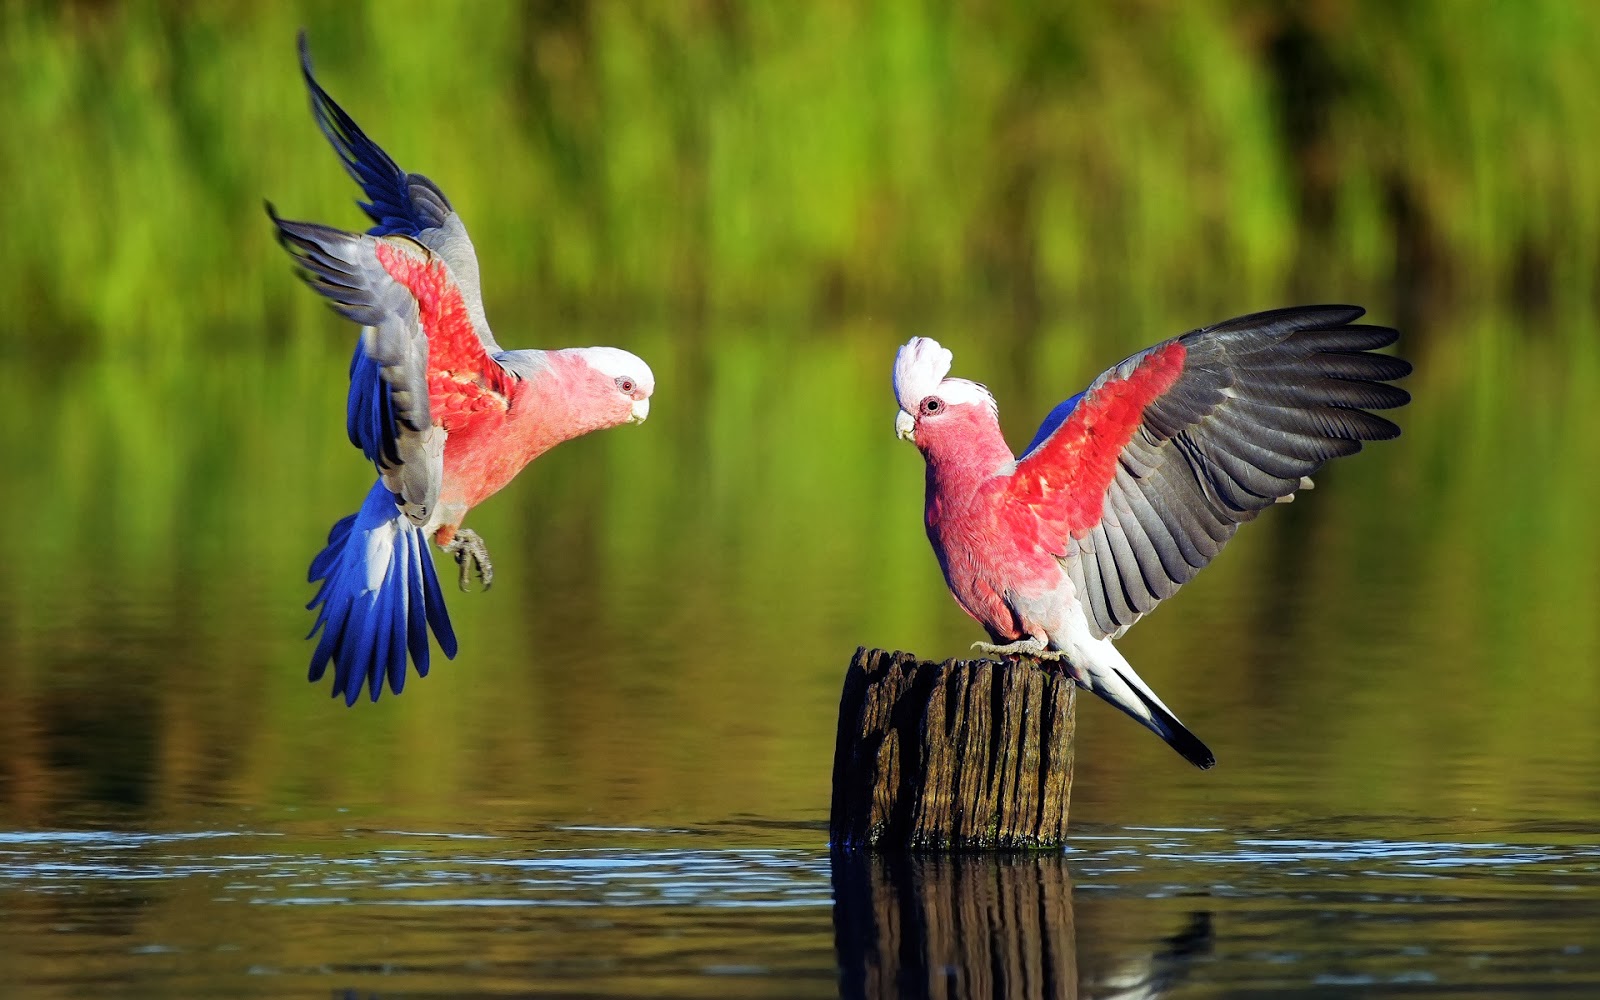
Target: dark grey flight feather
399, 202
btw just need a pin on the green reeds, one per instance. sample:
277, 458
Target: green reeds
786, 160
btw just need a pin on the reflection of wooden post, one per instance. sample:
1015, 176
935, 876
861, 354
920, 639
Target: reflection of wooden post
956, 755
953, 926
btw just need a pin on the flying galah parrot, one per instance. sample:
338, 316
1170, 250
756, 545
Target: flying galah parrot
445, 414
1131, 487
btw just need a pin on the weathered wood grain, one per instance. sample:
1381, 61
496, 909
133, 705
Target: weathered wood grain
960, 755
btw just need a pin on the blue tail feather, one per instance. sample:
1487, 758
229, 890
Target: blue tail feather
438, 617
372, 616
383, 627
354, 650
417, 624
325, 558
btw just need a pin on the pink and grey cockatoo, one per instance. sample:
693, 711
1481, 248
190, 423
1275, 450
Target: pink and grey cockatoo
1131, 487
446, 415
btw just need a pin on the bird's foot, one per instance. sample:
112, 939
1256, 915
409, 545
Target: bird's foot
1036, 649
472, 556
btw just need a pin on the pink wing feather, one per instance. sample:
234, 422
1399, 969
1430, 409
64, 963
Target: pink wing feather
1064, 479
464, 381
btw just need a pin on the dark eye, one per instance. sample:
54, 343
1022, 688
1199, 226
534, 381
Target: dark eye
933, 404
625, 383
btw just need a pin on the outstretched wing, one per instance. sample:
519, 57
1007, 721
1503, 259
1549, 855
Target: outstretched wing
397, 202
436, 376
1143, 478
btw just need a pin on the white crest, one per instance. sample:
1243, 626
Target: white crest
956, 391
918, 369
618, 363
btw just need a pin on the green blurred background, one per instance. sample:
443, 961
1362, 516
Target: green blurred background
764, 200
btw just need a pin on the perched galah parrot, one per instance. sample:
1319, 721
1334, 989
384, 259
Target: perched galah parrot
445, 414
1131, 487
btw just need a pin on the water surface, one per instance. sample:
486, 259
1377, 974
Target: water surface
620, 786
295, 908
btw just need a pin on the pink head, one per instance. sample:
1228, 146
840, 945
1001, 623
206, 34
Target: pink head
599, 387
946, 418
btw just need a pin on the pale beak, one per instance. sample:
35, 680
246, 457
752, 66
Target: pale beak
641, 409
905, 426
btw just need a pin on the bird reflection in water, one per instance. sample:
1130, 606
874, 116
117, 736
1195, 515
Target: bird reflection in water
983, 926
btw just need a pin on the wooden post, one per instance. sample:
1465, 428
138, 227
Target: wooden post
960, 755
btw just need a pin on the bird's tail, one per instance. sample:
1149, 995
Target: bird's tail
378, 597
1108, 675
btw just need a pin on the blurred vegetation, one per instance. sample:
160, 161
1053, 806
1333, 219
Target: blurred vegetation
791, 160
763, 200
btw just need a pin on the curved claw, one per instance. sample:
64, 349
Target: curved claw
1033, 648
473, 558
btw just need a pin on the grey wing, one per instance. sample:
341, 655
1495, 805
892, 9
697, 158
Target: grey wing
400, 203
344, 268
1261, 403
